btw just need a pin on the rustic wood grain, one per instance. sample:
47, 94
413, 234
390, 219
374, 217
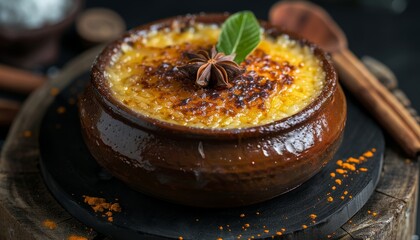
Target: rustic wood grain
25, 202
394, 202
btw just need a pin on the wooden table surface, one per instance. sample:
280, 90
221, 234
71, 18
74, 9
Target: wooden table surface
25, 202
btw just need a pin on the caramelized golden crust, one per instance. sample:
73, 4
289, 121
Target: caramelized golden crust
280, 78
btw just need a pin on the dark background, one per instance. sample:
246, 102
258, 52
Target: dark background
372, 28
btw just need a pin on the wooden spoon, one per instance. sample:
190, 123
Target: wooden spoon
314, 24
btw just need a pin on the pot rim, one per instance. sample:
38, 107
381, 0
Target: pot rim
104, 96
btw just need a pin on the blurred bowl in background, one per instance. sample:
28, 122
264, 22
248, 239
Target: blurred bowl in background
99, 25
34, 41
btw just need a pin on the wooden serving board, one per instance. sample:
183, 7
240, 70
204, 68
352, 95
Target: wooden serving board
70, 172
25, 201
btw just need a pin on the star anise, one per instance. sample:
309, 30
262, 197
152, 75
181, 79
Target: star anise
212, 67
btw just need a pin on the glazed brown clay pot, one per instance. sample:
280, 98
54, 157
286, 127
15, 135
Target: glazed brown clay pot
210, 167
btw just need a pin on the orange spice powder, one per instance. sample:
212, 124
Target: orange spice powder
368, 154
27, 134
61, 110
75, 237
49, 224
115, 207
353, 160
101, 205
349, 166
372, 213
54, 91
346, 168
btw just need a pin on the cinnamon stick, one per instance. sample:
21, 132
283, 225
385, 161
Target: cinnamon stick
315, 24
390, 113
8, 111
18, 80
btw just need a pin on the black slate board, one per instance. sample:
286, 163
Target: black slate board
70, 172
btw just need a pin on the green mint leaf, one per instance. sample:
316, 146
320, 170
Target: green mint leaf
240, 35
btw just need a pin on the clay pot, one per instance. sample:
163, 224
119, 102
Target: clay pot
210, 167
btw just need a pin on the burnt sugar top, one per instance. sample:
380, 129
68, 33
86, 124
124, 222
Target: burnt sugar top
281, 77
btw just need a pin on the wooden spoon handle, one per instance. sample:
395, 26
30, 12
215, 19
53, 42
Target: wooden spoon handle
393, 116
20, 81
8, 110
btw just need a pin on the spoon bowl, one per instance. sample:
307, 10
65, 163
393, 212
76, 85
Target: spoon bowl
311, 22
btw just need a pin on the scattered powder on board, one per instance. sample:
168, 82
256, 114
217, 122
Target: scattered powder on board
49, 224
75, 237
340, 177
346, 167
100, 205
